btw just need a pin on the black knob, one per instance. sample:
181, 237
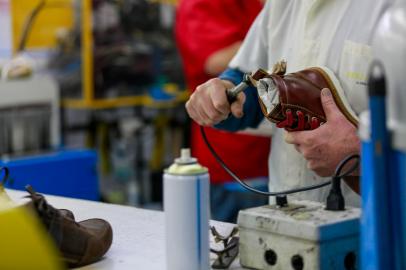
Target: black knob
270, 257
297, 262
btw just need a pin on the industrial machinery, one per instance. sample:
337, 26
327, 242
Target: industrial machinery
115, 53
383, 225
115, 63
29, 116
301, 235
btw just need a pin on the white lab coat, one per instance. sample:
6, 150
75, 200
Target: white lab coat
332, 33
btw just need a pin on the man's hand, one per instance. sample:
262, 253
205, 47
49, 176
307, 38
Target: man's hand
208, 105
326, 146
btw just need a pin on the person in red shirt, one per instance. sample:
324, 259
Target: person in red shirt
208, 34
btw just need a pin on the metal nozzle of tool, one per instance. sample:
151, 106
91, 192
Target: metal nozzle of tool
248, 80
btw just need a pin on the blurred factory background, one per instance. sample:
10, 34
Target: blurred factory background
91, 97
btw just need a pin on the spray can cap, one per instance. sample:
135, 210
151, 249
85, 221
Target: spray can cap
186, 165
185, 157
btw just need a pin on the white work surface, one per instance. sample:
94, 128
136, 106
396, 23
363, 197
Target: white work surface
138, 234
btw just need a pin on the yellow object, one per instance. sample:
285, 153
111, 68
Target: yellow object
109, 103
55, 15
168, 2
189, 169
87, 51
5, 200
24, 244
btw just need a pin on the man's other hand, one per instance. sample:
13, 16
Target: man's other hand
208, 105
326, 146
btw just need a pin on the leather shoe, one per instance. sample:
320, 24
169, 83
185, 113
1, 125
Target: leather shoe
293, 100
79, 243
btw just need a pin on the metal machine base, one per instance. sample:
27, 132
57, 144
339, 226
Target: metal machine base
302, 235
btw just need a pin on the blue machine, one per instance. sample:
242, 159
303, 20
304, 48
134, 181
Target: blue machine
71, 173
383, 231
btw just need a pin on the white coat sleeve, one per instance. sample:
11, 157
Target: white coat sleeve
253, 53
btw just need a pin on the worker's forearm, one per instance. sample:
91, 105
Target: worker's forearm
218, 61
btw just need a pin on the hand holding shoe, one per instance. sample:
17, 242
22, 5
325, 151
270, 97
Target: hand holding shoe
324, 147
292, 101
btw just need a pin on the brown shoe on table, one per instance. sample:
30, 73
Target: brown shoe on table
80, 243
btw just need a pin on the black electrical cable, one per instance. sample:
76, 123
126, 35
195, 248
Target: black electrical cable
6, 174
343, 163
335, 200
285, 192
264, 193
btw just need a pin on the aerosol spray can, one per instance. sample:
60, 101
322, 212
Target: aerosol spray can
186, 205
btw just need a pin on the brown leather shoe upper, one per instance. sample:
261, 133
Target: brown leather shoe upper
299, 106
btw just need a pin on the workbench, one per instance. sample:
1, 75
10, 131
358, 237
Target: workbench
138, 234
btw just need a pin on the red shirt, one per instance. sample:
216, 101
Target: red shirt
202, 28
